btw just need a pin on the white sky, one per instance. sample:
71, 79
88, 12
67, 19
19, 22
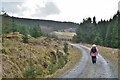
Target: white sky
63, 10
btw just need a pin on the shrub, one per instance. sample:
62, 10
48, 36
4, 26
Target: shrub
32, 72
52, 68
25, 38
61, 62
58, 54
65, 47
65, 59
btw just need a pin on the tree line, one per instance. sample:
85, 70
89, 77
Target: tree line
54, 25
14, 26
104, 33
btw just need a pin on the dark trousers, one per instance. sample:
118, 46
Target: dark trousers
94, 59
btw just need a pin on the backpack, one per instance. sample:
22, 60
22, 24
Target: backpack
93, 49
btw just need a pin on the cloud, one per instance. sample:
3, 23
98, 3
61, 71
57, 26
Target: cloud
12, 7
62, 10
119, 5
49, 9
0, 6
12, 0
29, 8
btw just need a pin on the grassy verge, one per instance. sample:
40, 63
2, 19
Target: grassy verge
74, 56
109, 53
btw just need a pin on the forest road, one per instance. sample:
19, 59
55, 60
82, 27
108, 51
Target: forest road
84, 68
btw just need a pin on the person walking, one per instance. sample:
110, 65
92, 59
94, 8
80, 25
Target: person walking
94, 53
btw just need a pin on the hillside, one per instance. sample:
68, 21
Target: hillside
49, 24
29, 52
38, 58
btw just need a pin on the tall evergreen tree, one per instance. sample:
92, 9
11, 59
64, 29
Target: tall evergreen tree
94, 20
103, 33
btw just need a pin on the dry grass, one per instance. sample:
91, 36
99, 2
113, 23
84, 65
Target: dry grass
15, 60
109, 53
64, 37
64, 33
17, 55
74, 56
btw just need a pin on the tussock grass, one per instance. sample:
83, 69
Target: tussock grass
16, 58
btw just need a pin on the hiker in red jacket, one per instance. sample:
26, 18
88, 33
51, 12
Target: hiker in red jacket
94, 53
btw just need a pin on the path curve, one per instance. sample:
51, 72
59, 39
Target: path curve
85, 69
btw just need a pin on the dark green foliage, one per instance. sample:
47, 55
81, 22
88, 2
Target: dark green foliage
60, 59
22, 29
118, 29
32, 72
52, 68
10, 24
61, 62
54, 25
13, 26
98, 40
94, 20
53, 60
58, 54
103, 33
65, 47
36, 31
25, 38
5, 25
65, 59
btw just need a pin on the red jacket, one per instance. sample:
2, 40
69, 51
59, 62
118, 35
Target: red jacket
94, 54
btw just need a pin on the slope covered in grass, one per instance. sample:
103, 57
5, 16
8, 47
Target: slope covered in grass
38, 58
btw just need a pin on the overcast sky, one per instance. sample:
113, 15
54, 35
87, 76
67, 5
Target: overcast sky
61, 10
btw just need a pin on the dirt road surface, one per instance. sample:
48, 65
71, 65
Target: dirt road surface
86, 69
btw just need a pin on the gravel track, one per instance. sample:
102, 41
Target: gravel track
85, 69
